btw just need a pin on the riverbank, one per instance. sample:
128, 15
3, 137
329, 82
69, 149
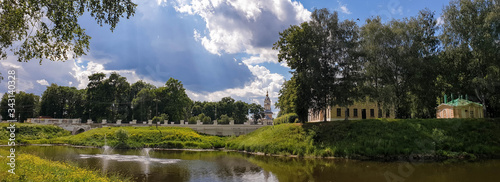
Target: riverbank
139, 137
32, 168
411, 139
26, 132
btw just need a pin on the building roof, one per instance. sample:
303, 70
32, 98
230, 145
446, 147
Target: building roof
461, 102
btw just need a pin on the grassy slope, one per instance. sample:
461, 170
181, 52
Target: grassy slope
378, 138
33, 168
138, 137
27, 131
282, 139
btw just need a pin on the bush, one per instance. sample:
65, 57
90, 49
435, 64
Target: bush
207, 120
121, 135
192, 120
161, 118
287, 118
224, 119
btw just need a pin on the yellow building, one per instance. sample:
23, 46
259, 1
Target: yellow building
359, 110
460, 108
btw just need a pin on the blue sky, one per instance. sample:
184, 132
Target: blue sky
217, 48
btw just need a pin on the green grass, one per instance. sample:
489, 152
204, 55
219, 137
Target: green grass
386, 139
27, 131
32, 168
284, 139
139, 137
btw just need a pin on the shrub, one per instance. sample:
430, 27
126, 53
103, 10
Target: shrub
161, 118
287, 118
121, 135
224, 119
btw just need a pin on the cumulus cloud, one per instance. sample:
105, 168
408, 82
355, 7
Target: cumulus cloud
43, 82
242, 26
249, 27
253, 92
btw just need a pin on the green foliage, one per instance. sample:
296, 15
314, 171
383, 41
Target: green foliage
65, 102
318, 52
287, 118
257, 112
121, 136
287, 97
202, 118
470, 51
161, 118
224, 119
139, 137
26, 105
57, 33
26, 132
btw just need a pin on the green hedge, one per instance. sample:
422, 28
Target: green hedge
287, 118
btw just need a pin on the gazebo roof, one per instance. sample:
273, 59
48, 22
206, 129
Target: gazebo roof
461, 102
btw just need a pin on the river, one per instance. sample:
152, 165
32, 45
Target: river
174, 165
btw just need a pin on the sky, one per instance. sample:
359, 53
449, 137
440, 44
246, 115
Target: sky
216, 48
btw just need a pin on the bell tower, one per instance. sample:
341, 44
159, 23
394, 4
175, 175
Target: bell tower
267, 107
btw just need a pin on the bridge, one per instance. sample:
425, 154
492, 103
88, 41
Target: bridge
75, 126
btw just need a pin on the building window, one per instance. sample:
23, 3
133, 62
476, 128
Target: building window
379, 113
355, 113
466, 111
472, 114
387, 114
372, 112
347, 112
338, 112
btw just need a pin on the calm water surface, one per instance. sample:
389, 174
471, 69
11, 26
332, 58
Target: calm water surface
232, 166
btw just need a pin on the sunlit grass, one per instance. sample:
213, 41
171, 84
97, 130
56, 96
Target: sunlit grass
437, 138
139, 137
27, 131
32, 168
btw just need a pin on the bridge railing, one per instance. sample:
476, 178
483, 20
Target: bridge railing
135, 122
54, 121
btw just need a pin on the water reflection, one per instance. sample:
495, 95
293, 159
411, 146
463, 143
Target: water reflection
231, 166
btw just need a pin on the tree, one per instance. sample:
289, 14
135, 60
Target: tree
174, 100
63, 102
287, 97
100, 96
226, 106
120, 90
240, 112
257, 112
143, 103
209, 109
25, 106
471, 36
323, 54
50, 30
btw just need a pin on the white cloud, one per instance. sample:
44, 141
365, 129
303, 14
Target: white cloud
81, 74
43, 82
440, 21
343, 8
239, 26
252, 92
